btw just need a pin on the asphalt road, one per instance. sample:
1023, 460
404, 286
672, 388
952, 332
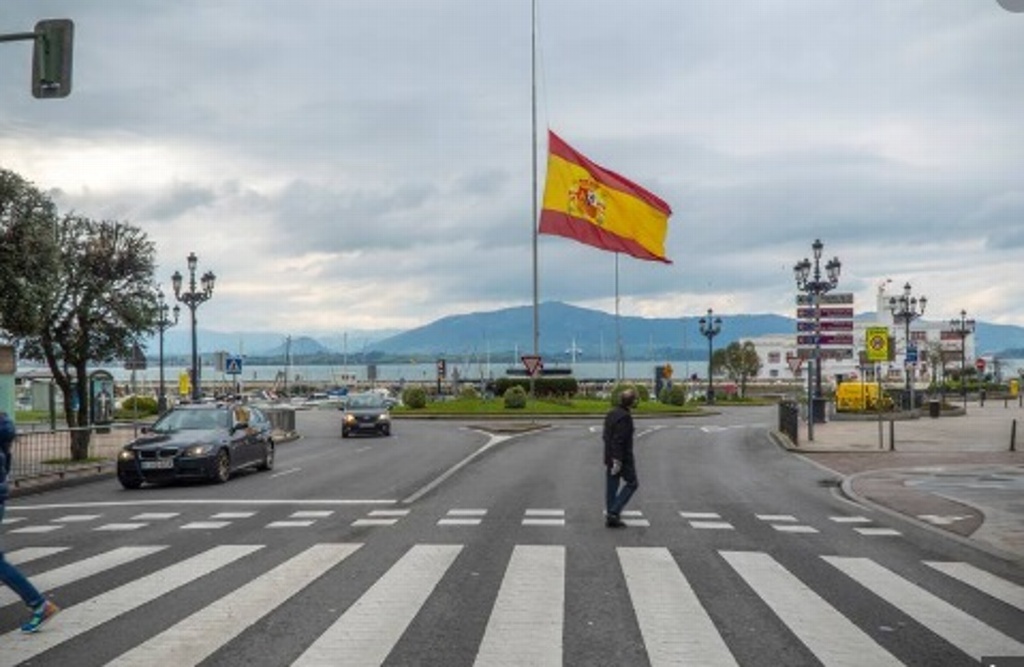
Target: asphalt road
448, 545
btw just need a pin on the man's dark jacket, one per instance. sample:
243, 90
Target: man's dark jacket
618, 436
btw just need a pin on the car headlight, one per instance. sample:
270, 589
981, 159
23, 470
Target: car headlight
198, 450
350, 419
126, 455
383, 418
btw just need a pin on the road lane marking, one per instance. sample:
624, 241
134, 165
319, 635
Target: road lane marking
282, 473
368, 631
202, 501
103, 608
955, 626
198, 636
32, 553
76, 518
664, 603
206, 525
877, 532
834, 639
525, 626
986, 582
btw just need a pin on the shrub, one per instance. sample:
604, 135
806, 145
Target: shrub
415, 398
542, 386
469, 393
674, 395
515, 398
143, 405
642, 394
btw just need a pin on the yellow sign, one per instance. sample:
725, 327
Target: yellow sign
184, 384
876, 343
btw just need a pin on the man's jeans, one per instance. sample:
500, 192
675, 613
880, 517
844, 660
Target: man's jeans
619, 488
16, 581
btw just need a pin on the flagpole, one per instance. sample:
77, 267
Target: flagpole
533, 145
619, 370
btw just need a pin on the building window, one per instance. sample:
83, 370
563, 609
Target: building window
774, 357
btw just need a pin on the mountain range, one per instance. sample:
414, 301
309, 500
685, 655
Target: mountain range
509, 331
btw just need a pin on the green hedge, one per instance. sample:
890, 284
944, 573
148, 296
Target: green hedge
544, 387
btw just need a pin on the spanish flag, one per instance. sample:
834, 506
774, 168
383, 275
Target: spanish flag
596, 206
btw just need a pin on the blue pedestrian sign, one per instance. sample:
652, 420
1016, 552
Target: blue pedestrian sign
911, 354
233, 365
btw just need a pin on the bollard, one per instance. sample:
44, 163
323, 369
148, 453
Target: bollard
892, 435
1013, 435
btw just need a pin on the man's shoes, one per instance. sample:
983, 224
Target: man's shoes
40, 615
613, 521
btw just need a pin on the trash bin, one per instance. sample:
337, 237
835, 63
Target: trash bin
820, 405
934, 408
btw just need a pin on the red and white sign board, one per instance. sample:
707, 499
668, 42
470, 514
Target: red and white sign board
980, 365
532, 363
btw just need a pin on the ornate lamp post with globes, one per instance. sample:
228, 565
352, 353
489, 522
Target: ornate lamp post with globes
710, 326
963, 328
193, 298
906, 309
163, 324
815, 284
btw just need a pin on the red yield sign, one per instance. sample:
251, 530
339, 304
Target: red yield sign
532, 363
980, 365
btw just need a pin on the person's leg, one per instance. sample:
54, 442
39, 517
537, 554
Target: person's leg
16, 581
631, 484
611, 486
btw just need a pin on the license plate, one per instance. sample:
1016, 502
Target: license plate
162, 464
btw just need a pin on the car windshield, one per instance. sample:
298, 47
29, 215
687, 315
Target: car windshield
190, 420
365, 401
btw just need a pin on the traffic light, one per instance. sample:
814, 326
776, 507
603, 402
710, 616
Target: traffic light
51, 59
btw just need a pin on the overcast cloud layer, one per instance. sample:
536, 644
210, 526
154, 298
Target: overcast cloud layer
366, 164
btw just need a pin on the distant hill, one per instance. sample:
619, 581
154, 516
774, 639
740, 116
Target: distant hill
509, 332
563, 325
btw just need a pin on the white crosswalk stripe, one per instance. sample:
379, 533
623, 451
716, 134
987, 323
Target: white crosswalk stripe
195, 638
527, 623
525, 627
955, 626
110, 605
82, 569
371, 627
833, 638
664, 603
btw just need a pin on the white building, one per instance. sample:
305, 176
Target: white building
937, 344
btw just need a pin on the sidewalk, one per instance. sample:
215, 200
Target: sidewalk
954, 473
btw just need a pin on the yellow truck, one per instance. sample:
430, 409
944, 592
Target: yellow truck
860, 397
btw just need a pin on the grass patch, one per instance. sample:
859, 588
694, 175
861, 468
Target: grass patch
70, 462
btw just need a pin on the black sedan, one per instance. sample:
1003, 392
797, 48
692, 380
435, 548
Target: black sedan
365, 413
198, 442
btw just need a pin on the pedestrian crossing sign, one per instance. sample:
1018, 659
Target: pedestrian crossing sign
233, 365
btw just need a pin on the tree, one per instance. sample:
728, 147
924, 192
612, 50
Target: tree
739, 362
76, 291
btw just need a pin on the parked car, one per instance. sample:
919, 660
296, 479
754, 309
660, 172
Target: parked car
198, 442
365, 413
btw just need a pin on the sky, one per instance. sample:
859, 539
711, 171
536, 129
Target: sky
354, 165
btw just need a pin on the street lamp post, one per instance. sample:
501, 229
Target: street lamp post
906, 309
192, 298
963, 328
710, 326
815, 284
163, 324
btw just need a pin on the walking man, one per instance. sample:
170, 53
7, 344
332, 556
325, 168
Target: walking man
41, 608
620, 466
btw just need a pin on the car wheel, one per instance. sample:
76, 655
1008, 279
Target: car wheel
223, 469
386, 430
129, 483
268, 457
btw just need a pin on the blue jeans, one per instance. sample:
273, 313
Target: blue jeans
16, 581
619, 488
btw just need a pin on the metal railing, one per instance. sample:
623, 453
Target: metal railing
789, 420
45, 453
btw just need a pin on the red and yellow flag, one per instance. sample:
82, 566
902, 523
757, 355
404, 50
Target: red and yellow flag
596, 206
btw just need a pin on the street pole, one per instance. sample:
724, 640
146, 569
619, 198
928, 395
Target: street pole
710, 326
963, 327
193, 298
162, 325
907, 308
809, 279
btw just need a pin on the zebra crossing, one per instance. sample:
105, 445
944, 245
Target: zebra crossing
527, 621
